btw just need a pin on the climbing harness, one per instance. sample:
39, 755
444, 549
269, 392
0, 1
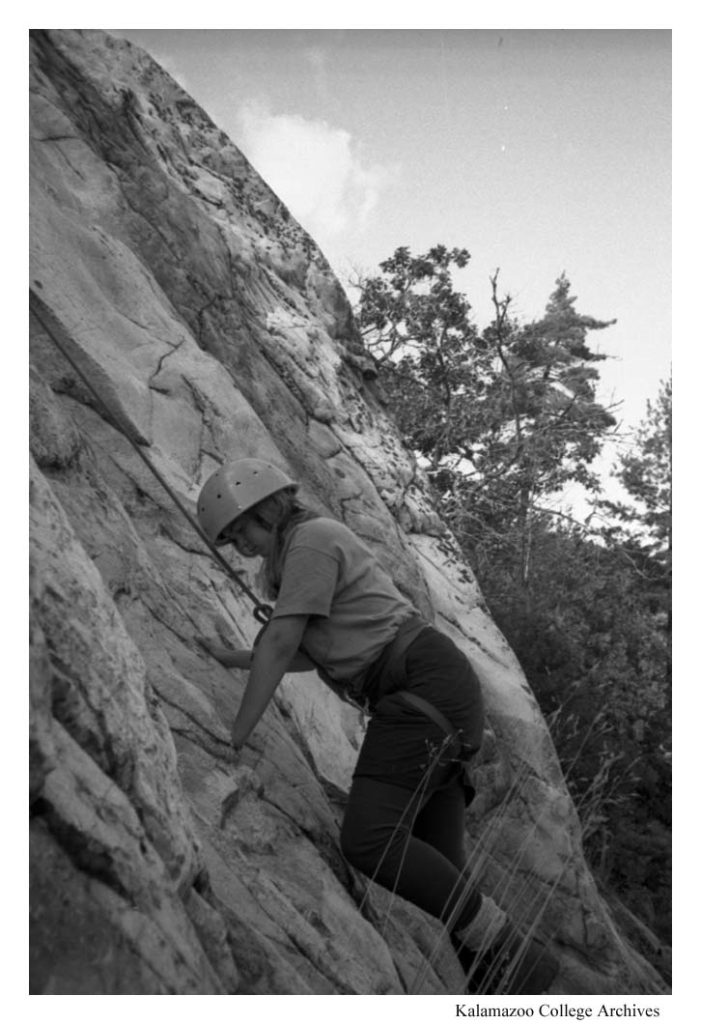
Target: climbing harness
54, 329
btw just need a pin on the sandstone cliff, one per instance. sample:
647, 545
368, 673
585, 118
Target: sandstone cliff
214, 327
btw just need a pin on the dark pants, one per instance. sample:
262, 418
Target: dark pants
411, 845
404, 823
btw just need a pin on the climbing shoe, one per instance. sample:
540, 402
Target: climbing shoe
512, 965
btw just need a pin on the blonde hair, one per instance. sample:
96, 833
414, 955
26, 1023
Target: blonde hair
279, 513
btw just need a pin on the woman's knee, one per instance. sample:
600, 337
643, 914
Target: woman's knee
356, 846
367, 846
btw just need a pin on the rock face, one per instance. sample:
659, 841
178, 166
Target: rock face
213, 327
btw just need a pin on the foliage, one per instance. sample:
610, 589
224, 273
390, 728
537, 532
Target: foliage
646, 474
596, 656
642, 525
503, 418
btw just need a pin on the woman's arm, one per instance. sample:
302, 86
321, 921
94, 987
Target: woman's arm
271, 659
226, 656
230, 658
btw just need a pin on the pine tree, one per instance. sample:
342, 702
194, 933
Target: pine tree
503, 418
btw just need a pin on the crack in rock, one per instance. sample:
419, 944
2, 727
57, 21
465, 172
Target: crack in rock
166, 355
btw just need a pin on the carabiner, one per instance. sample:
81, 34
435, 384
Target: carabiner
262, 613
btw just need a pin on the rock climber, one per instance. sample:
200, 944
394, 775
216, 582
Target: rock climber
337, 610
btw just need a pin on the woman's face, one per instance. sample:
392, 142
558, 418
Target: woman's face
248, 537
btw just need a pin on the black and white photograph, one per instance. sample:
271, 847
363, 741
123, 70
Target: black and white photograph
350, 578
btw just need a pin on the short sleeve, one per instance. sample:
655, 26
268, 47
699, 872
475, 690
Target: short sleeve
309, 579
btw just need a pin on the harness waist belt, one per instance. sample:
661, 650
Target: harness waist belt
377, 681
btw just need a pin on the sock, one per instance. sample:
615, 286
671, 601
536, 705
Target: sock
484, 927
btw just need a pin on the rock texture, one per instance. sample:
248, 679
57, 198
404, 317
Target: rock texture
213, 326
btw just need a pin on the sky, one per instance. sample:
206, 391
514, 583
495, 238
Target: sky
540, 151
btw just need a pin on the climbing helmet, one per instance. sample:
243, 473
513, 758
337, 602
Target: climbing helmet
235, 488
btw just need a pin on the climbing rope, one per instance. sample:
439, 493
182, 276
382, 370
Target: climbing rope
56, 333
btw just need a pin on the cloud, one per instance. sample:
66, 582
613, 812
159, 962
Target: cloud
316, 170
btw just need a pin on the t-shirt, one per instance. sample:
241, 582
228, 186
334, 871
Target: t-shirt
353, 606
